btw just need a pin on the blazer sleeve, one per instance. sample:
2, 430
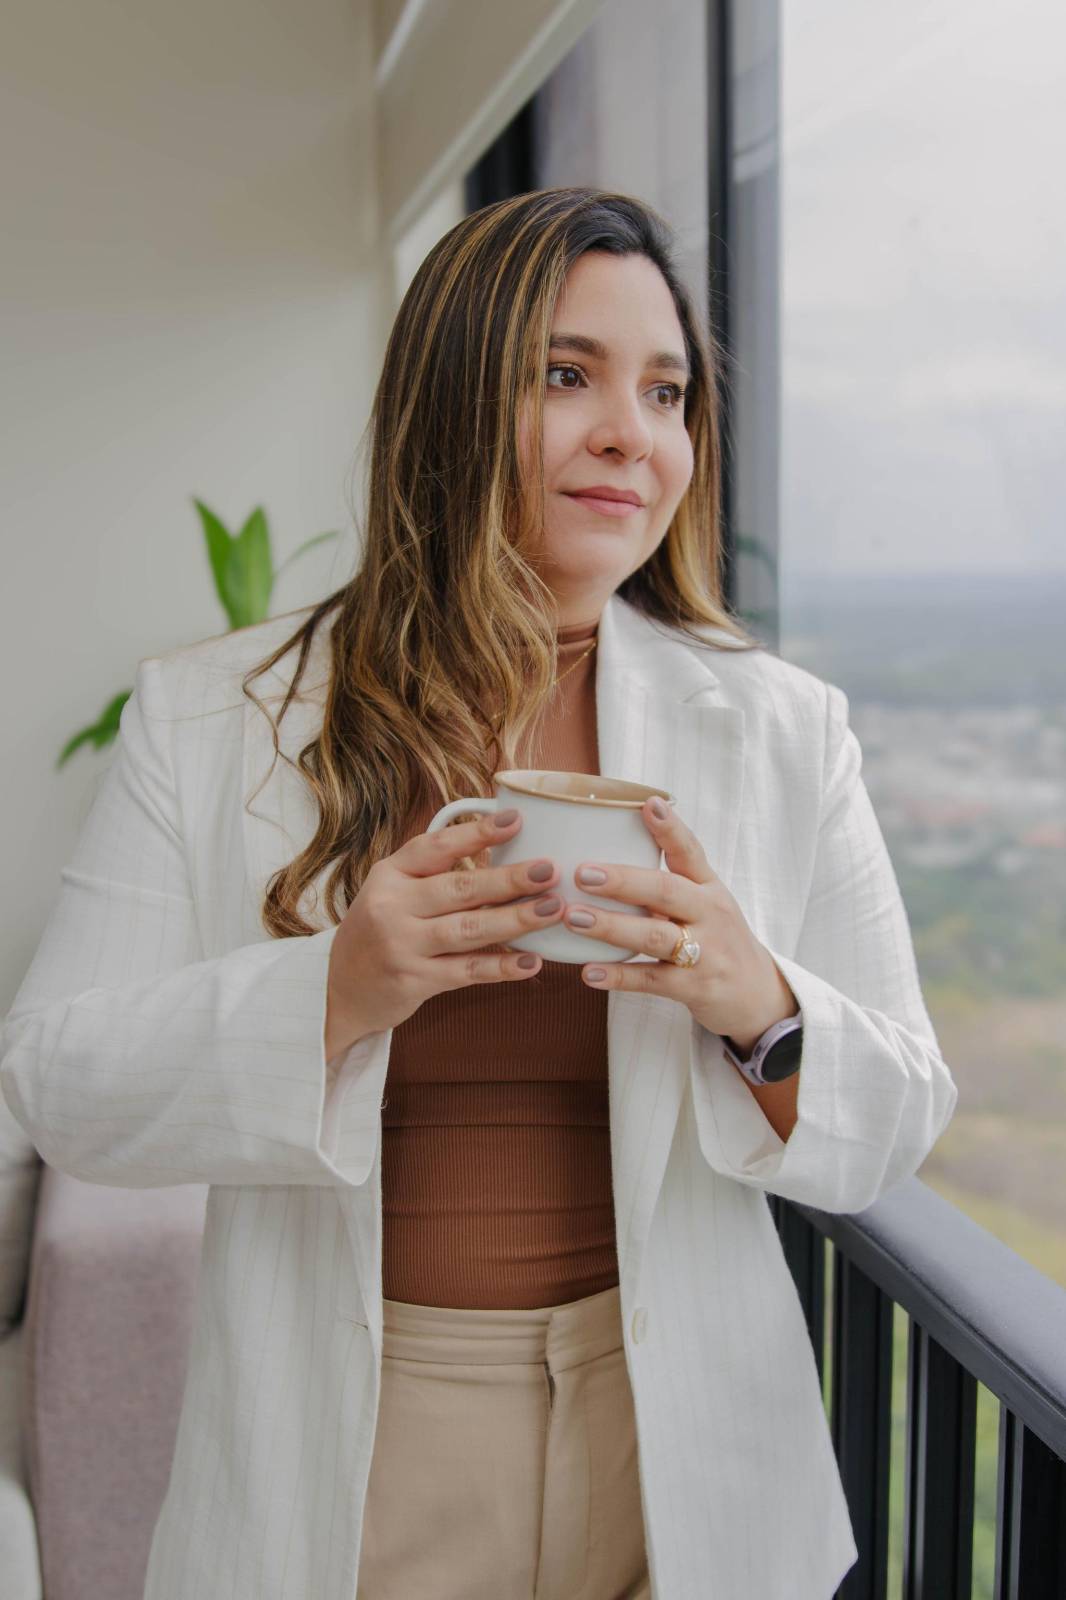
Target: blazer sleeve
874, 1091
132, 1061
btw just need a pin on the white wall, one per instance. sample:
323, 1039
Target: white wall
210, 213
193, 302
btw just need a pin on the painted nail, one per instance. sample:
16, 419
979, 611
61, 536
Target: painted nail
544, 908
503, 819
581, 919
591, 875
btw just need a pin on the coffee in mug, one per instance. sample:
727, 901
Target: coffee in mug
570, 818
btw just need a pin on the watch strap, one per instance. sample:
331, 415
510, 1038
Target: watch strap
786, 1056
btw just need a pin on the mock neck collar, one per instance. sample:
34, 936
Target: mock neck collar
576, 633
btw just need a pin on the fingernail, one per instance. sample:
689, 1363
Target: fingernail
595, 975
503, 819
544, 908
526, 962
591, 875
659, 809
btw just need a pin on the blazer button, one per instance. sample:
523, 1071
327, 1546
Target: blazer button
639, 1324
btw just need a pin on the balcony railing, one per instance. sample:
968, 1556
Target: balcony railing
977, 1312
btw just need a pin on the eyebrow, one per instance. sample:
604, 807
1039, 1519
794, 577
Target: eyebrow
592, 347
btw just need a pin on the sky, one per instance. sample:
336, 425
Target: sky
923, 263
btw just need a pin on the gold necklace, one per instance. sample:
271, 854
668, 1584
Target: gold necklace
576, 663
562, 675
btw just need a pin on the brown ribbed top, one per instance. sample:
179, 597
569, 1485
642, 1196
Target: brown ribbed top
496, 1157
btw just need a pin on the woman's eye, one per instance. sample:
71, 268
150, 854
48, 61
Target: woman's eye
561, 367
676, 391
677, 394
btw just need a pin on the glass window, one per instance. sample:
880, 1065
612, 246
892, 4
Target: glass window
922, 566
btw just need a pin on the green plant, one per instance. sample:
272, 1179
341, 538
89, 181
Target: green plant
243, 571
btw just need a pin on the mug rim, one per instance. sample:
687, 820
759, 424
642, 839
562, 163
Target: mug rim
510, 778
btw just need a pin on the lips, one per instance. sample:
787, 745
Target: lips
602, 491
614, 506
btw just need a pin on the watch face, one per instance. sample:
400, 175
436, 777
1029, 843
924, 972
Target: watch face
783, 1058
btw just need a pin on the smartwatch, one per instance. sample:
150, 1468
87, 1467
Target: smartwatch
774, 1056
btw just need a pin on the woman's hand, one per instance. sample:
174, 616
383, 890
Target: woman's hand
416, 928
736, 988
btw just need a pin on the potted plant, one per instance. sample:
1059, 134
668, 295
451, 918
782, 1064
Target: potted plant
243, 571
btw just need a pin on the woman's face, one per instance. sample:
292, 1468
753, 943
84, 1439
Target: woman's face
612, 416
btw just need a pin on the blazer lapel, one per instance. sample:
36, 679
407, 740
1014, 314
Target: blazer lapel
281, 818
660, 721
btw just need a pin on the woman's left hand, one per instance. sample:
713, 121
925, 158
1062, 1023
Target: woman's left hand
736, 988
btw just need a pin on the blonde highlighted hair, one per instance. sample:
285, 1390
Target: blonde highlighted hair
443, 646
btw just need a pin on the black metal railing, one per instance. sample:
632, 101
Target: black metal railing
978, 1312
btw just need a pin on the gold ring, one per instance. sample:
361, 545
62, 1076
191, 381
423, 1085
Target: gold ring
686, 951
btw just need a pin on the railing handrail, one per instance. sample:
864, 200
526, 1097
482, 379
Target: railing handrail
992, 1310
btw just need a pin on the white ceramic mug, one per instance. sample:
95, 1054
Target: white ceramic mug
570, 818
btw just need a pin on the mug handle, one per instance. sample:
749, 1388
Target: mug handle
455, 808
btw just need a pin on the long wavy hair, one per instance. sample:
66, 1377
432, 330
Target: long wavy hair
443, 649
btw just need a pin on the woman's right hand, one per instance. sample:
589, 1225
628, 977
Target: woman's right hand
416, 928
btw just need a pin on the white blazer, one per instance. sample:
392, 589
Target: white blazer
161, 1037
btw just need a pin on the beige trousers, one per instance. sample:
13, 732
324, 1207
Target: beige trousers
505, 1458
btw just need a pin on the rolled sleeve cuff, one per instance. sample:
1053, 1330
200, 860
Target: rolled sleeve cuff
872, 1100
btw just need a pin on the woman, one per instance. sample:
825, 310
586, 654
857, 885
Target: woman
492, 1304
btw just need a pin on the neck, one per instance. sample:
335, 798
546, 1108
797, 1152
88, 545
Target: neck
567, 633
577, 624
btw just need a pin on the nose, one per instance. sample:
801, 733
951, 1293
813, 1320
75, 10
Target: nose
621, 426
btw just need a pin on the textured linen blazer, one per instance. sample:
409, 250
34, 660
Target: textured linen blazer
161, 1036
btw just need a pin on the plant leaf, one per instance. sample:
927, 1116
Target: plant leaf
219, 548
98, 733
251, 570
244, 578
317, 539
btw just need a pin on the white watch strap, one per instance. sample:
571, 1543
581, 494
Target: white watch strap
752, 1066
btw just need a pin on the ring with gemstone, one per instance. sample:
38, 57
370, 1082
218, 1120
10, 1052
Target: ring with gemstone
686, 951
